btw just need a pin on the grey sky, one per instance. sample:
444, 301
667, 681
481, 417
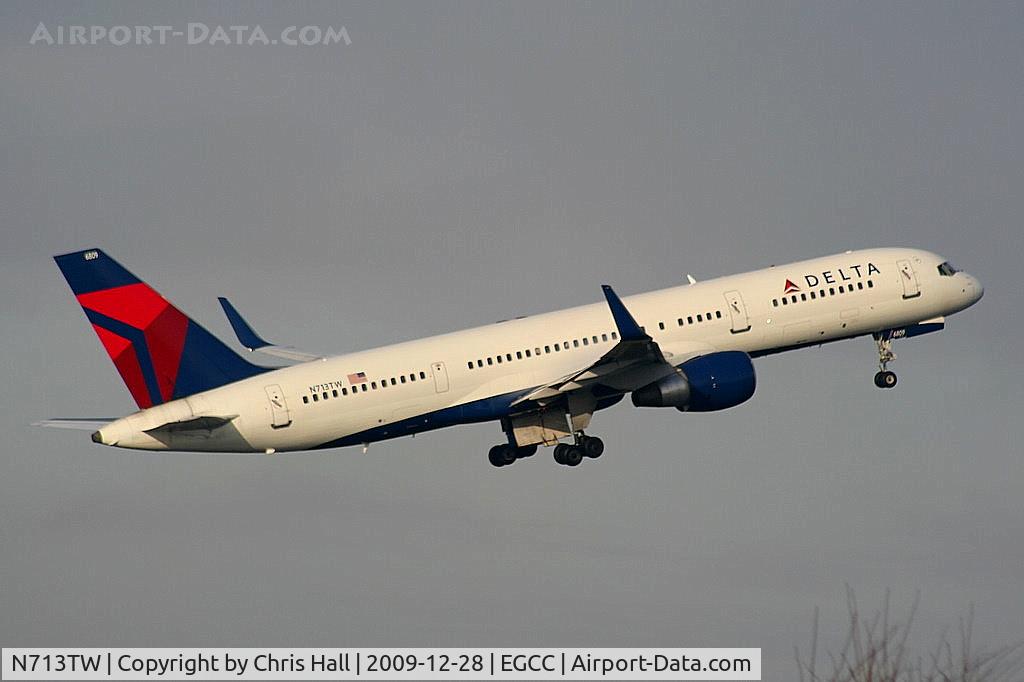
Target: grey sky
462, 163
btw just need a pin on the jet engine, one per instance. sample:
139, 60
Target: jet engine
710, 382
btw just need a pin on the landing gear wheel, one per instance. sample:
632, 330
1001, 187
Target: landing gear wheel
885, 379
572, 456
560, 452
501, 455
592, 446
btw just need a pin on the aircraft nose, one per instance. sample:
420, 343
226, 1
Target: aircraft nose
974, 290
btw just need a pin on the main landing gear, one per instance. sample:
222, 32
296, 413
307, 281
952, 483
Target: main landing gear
503, 455
568, 454
885, 378
572, 454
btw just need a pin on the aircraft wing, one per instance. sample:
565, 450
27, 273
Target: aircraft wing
636, 360
252, 341
78, 423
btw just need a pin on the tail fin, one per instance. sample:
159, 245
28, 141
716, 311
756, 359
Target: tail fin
160, 353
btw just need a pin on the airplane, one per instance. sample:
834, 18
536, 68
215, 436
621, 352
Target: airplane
542, 377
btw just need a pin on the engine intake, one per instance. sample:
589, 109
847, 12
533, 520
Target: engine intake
716, 381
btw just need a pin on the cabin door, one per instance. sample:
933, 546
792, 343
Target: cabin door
911, 288
737, 311
279, 415
440, 377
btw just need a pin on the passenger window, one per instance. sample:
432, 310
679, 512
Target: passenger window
680, 321
586, 342
315, 398
344, 391
803, 297
831, 291
325, 395
775, 302
490, 361
594, 338
557, 348
402, 378
575, 343
615, 336
335, 393
412, 377
661, 325
508, 358
536, 351
364, 388
689, 319
604, 337
841, 290
870, 284
470, 364
423, 375
860, 286
479, 363
305, 399
498, 359
527, 352
700, 318
373, 385
821, 293
519, 355
718, 314
547, 349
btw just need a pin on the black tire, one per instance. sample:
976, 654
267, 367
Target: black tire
878, 379
572, 456
592, 447
526, 451
498, 455
559, 452
889, 379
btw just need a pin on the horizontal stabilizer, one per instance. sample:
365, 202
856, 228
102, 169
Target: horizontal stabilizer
78, 423
208, 423
248, 337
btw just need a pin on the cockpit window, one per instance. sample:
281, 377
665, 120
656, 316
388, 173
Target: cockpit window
947, 270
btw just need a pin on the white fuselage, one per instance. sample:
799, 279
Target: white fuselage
452, 378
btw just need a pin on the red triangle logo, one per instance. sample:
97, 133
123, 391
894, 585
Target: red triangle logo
790, 287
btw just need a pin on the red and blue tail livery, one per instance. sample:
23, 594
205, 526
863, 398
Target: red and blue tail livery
160, 353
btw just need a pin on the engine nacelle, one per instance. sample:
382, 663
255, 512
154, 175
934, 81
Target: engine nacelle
711, 382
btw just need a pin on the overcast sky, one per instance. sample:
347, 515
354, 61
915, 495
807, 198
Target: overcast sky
462, 163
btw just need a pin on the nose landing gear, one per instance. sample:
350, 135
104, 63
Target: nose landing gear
884, 378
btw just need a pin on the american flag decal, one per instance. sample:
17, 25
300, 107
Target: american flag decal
357, 378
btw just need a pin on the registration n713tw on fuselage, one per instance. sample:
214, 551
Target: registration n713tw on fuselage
541, 378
